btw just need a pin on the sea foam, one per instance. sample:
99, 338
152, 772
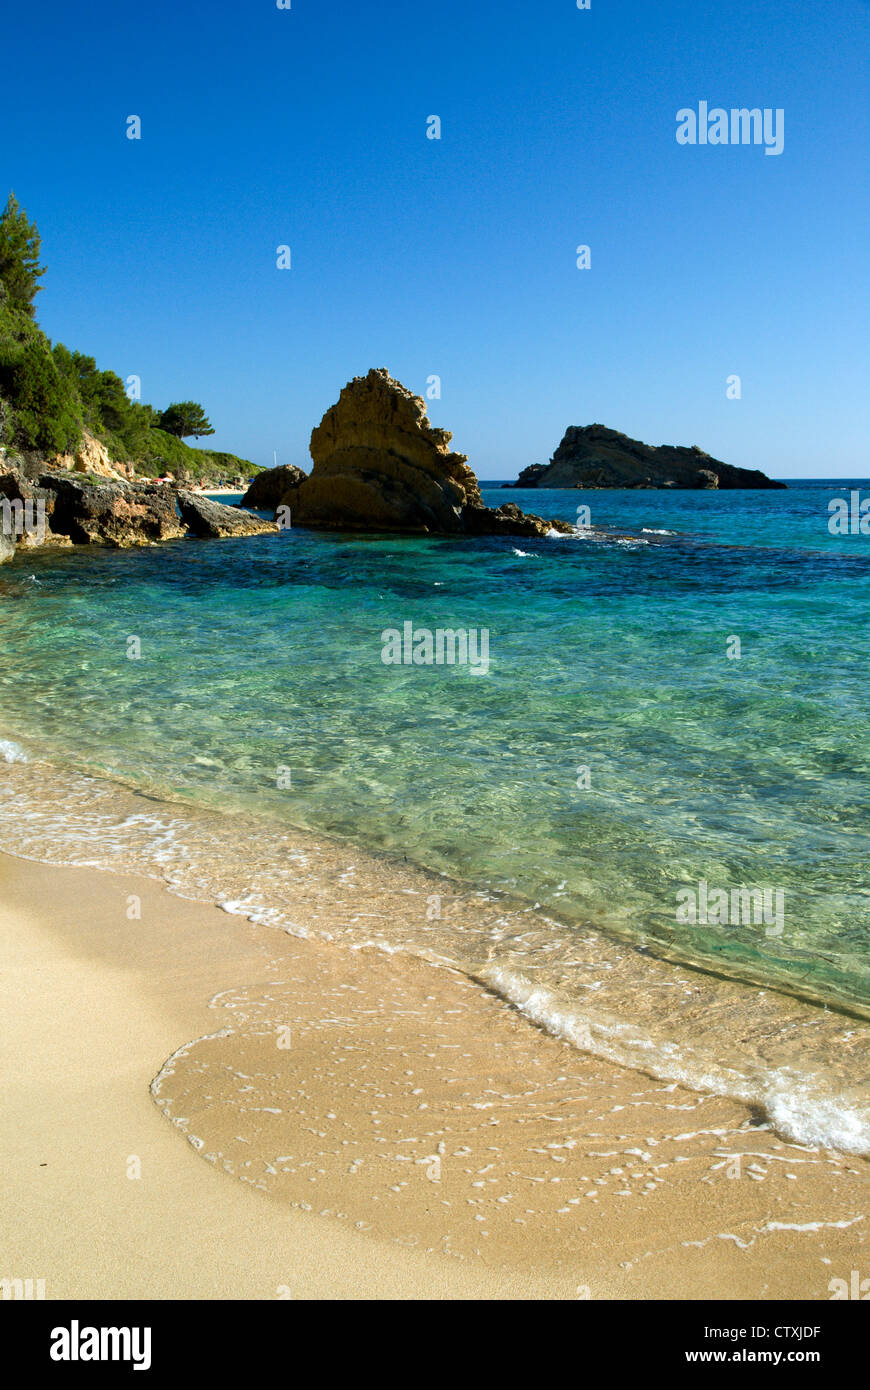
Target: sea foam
618, 1003
11, 752
797, 1106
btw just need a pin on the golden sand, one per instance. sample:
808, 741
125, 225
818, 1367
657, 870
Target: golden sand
356, 1125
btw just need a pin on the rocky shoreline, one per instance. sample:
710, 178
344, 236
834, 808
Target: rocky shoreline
378, 465
64, 508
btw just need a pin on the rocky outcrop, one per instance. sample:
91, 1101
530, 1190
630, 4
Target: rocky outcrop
213, 519
529, 476
269, 488
114, 514
92, 457
508, 520
7, 545
593, 456
65, 509
15, 486
25, 511
379, 465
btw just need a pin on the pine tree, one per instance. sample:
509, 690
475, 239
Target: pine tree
19, 257
185, 418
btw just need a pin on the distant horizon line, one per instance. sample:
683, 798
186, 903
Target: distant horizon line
779, 477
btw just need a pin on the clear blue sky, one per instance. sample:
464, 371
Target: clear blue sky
307, 127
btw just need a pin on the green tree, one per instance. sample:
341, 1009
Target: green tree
184, 418
19, 256
45, 406
122, 424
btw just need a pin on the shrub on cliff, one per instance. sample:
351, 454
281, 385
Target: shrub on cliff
122, 425
43, 410
48, 395
166, 454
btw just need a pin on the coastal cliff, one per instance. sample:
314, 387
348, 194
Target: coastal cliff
593, 456
60, 411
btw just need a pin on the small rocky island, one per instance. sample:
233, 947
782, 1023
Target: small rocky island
379, 465
593, 456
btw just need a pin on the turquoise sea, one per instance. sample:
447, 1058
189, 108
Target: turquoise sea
260, 701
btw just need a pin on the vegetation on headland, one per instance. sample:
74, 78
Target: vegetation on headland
184, 418
50, 396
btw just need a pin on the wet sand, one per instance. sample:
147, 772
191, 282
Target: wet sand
356, 1124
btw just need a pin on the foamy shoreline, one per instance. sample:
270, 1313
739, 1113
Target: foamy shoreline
804, 1068
615, 1185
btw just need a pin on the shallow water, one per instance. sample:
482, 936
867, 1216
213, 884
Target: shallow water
260, 692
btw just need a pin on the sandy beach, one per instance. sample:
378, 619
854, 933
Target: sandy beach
386, 1129
92, 1005
434, 544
